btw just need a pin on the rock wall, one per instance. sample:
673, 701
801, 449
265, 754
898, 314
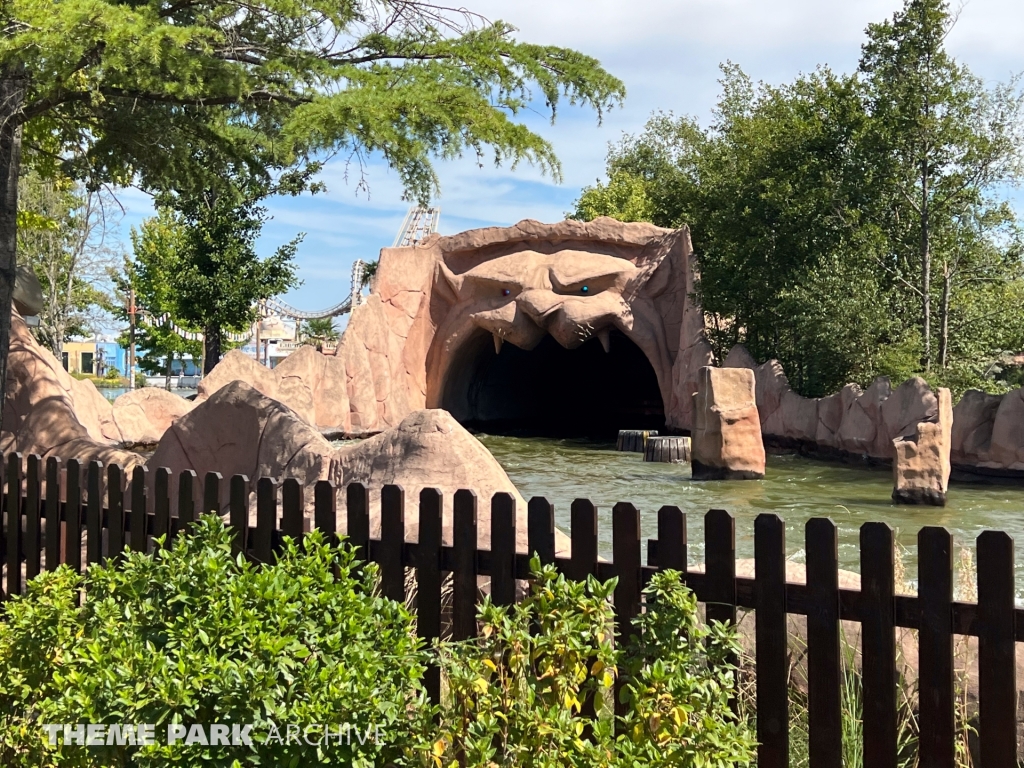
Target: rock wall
518, 284
987, 433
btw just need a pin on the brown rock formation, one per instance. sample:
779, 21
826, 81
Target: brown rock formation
143, 415
437, 310
49, 413
921, 467
727, 434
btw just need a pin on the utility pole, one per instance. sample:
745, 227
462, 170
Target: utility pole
131, 339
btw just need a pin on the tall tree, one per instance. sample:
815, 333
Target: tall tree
122, 91
63, 237
938, 140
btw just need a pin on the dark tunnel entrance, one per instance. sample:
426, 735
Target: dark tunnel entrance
552, 391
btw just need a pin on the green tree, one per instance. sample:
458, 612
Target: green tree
122, 92
63, 238
938, 141
318, 330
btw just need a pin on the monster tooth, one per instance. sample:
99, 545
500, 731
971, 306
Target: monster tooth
605, 338
497, 343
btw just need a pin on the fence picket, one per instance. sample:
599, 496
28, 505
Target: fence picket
33, 522
720, 564
824, 671
73, 516
162, 503
94, 514
325, 509
13, 524
357, 518
428, 582
626, 555
392, 541
211, 492
771, 642
503, 549
53, 508
292, 509
140, 510
266, 519
997, 668
115, 510
540, 529
187, 482
464, 577
583, 532
878, 644
238, 514
935, 647
671, 548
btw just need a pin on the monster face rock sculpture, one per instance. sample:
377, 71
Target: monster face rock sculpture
577, 321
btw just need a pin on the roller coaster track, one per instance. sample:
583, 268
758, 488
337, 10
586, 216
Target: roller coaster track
418, 224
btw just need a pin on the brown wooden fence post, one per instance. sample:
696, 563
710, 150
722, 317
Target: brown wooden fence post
187, 482
583, 563
140, 510
824, 663
428, 582
771, 642
115, 510
997, 667
935, 650
878, 643
211, 492
33, 512
293, 510
626, 555
503, 549
671, 548
94, 514
53, 509
720, 565
325, 510
13, 524
238, 515
540, 529
392, 542
162, 505
73, 516
464, 576
266, 519
357, 519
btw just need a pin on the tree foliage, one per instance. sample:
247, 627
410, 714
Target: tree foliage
820, 209
63, 237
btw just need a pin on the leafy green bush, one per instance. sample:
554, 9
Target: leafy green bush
515, 693
112, 373
194, 635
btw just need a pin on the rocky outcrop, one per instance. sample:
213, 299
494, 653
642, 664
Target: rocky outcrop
431, 304
47, 412
242, 431
921, 466
726, 441
143, 415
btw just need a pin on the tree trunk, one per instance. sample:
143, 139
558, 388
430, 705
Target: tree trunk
170, 363
947, 285
11, 95
211, 347
926, 272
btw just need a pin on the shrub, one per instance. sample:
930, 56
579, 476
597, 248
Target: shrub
515, 693
112, 373
194, 635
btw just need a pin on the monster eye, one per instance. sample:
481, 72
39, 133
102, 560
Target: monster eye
505, 292
585, 289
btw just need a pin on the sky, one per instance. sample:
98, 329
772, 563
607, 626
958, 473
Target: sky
667, 52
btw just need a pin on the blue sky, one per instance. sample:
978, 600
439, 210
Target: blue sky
667, 52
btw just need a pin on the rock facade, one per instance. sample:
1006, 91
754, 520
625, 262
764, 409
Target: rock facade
402, 345
921, 467
726, 441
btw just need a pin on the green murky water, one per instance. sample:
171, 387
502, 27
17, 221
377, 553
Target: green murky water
794, 487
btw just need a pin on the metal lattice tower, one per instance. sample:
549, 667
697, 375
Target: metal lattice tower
419, 222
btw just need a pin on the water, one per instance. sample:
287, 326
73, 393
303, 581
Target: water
794, 487
112, 393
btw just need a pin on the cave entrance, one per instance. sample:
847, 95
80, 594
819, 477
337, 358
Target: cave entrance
552, 391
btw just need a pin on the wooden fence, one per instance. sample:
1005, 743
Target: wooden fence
44, 527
